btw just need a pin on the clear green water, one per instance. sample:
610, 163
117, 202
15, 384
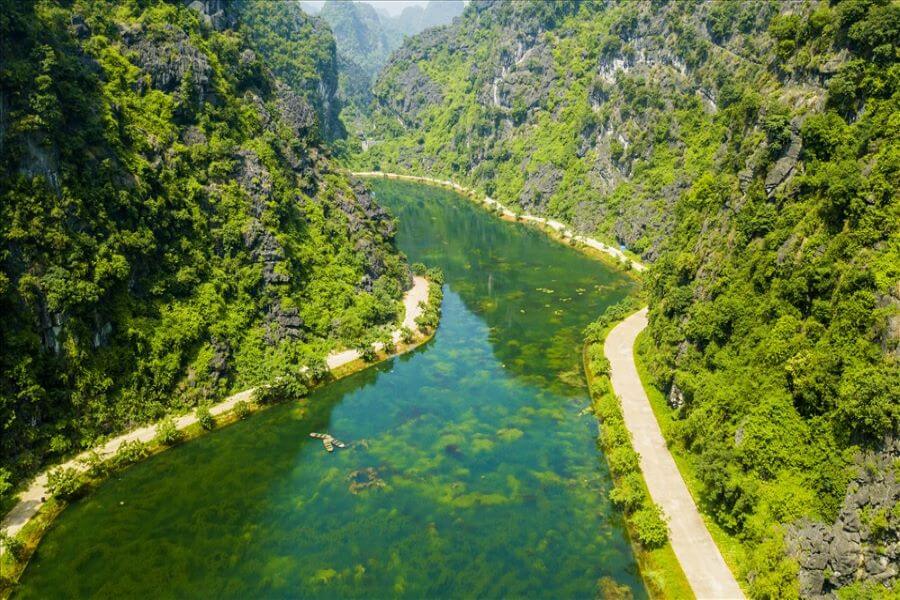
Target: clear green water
492, 483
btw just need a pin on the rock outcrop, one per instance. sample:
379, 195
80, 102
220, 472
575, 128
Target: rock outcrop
863, 544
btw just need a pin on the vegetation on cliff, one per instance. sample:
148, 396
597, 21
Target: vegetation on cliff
750, 151
172, 227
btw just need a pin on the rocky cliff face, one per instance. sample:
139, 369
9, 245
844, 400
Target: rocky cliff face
301, 52
863, 544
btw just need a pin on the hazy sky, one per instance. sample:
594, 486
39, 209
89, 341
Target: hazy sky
394, 7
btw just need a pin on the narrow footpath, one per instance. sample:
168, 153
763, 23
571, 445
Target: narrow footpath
32, 499
698, 554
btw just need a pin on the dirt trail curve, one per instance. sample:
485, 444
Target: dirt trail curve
31, 500
698, 554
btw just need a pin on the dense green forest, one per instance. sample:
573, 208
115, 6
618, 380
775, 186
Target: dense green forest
172, 226
749, 151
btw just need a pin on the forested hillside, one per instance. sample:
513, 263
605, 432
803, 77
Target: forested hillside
172, 227
751, 152
365, 38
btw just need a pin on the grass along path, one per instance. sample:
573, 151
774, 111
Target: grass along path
35, 496
698, 554
557, 226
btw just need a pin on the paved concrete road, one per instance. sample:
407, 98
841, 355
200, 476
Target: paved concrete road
700, 558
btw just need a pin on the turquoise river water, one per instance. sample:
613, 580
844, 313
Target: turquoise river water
471, 472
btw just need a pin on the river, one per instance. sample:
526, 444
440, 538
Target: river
472, 469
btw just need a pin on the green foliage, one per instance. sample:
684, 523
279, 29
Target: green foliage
167, 433
629, 494
95, 466
431, 310
774, 278
622, 460
205, 418
64, 483
168, 240
290, 386
6, 485
649, 526
241, 409
13, 545
366, 349
130, 453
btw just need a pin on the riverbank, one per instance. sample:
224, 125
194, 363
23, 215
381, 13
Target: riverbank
732, 549
558, 228
660, 569
697, 552
36, 507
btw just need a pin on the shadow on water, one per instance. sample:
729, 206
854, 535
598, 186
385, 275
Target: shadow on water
469, 473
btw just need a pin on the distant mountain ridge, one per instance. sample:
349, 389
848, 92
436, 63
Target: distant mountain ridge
366, 37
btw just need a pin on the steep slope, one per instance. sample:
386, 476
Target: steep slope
366, 38
750, 151
300, 51
171, 226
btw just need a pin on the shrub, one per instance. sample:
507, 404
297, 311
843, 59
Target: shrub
64, 483
650, 528
366, 350
407, 335
94, 465
205, 418
167, 433
622, 460
614, 434
287, 387
241, 409
13, 545
5, 483
629, 493
318, 370
130, 453
388, 345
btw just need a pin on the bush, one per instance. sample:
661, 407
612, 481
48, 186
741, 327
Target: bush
5, 483
95, 466
317, 370
650, 528
622, 460
241, 409
629, 493
286, 387
167, 433
130, 453
205, 418
407, 335
366, 350
388, 345
13, 545
64, 483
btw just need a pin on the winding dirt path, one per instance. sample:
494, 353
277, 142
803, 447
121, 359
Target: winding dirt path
557, 226
32, 499
698, 554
